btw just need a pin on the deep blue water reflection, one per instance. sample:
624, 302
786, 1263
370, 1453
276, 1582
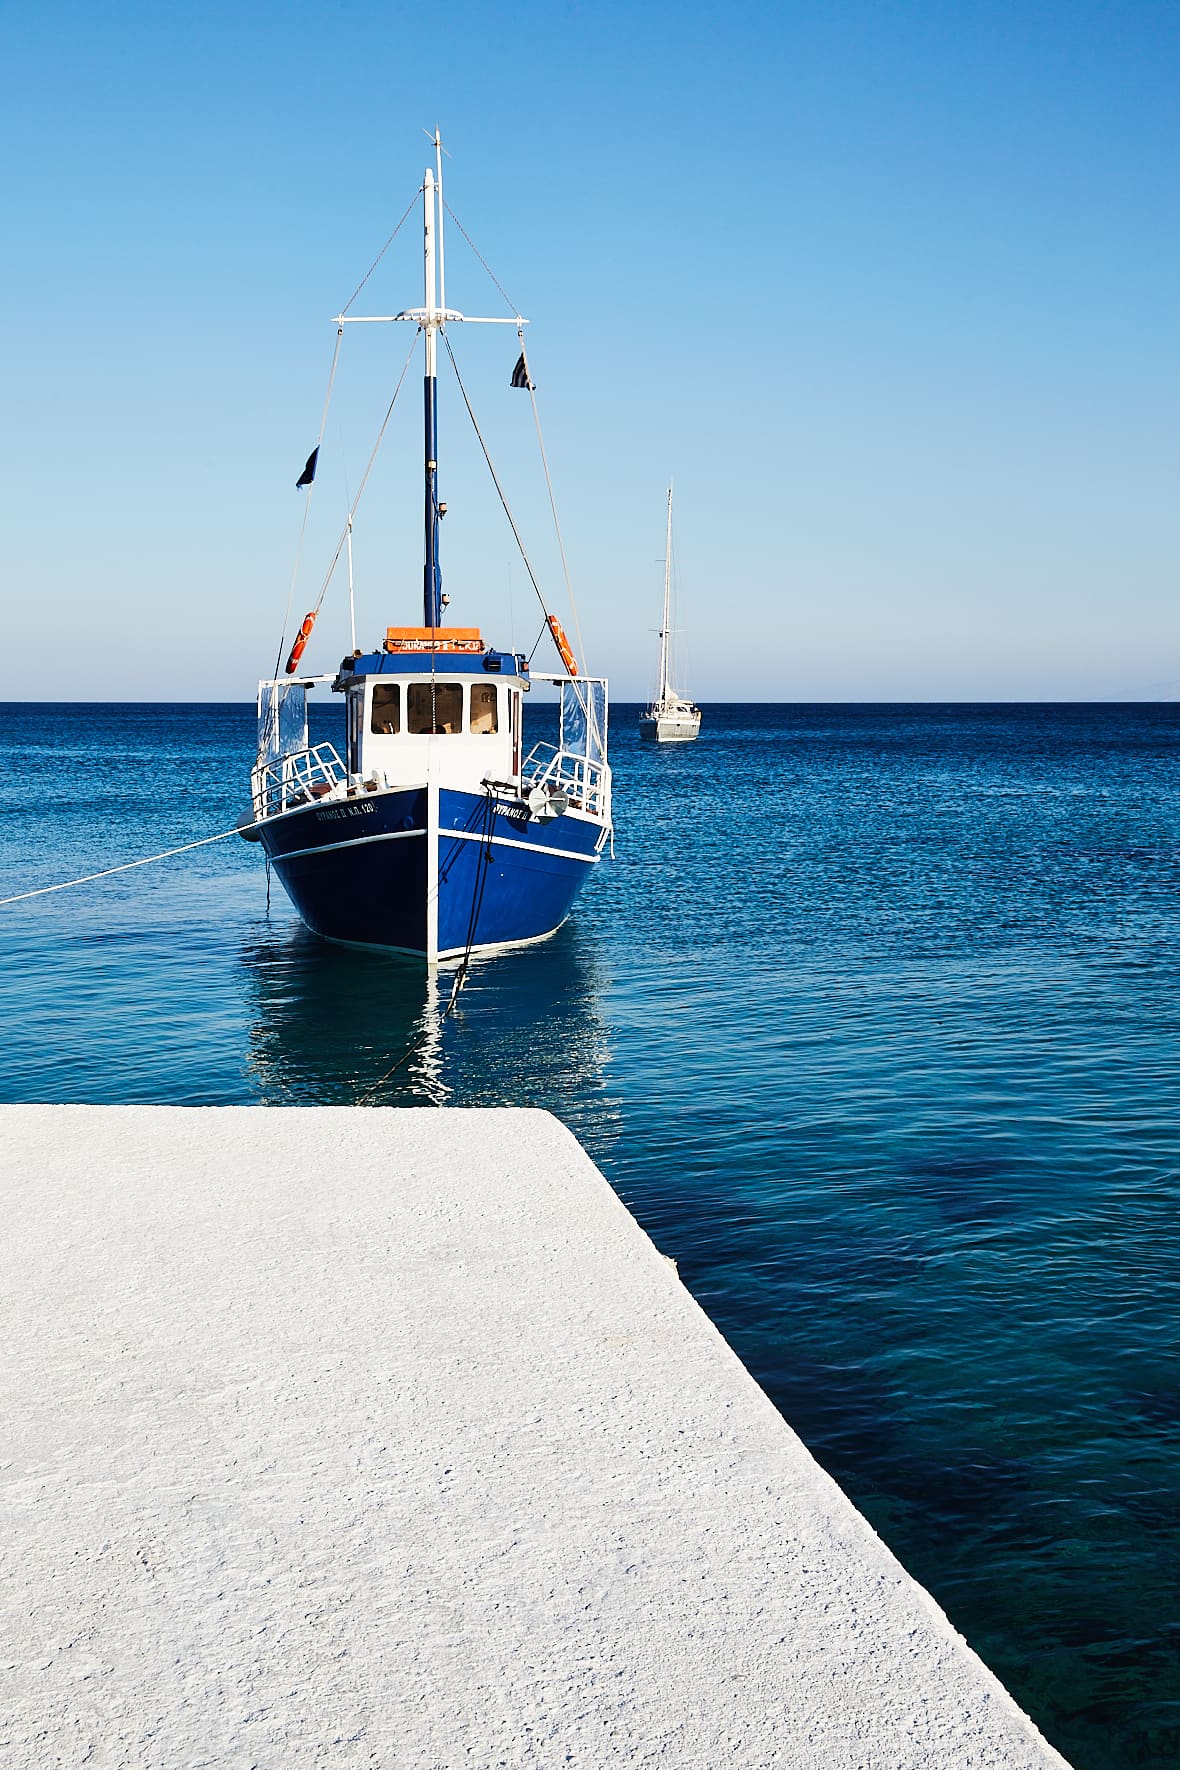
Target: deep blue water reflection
873, 1023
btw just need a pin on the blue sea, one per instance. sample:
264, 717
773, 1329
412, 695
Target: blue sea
873, 1022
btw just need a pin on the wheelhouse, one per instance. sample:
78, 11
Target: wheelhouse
428, 685
433, 705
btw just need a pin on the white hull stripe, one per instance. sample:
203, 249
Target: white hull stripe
511, 842
443, 835
355, 842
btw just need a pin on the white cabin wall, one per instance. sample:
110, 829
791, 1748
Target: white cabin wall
462, 759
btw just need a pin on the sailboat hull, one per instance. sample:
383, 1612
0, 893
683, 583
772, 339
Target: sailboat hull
669, 728
389, 870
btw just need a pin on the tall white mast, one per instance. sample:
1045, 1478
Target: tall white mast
430, 320
663, 694
432, 582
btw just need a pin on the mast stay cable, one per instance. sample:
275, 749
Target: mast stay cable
412, 204
323, 425
536, 420
496, 479
365, 477
569, 588
307, 502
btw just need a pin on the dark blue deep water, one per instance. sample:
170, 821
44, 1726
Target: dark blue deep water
874, 1023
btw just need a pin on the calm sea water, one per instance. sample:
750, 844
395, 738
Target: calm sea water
874, 1023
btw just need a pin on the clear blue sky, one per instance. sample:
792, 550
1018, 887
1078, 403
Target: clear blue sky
890, 293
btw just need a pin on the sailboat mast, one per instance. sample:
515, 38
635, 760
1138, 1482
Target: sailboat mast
663, 694
431, 576
351, 597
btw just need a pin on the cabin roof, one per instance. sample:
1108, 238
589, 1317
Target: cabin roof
427, 663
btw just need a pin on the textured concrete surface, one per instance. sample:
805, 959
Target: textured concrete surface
387, 1438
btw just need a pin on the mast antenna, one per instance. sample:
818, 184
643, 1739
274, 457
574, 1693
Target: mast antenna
439, 151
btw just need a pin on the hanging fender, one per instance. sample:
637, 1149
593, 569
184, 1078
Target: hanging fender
562, 644
301, 640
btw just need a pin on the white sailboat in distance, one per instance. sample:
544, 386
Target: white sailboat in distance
670, 719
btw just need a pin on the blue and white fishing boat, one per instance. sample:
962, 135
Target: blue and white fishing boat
439, 833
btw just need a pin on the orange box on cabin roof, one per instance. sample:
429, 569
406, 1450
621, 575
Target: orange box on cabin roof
433, 639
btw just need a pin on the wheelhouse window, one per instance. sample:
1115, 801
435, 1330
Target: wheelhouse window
434, 707
484, 716
386, 714
356, 713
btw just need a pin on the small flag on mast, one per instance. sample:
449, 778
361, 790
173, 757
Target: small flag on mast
520, 375
308, 474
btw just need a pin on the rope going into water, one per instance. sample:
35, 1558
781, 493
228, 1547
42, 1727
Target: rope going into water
88, 878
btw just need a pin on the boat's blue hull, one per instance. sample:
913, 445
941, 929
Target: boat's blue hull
378, 871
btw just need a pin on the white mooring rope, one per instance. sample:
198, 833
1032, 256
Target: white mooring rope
87, 878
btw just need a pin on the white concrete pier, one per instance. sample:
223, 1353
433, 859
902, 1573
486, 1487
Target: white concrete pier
387, 1438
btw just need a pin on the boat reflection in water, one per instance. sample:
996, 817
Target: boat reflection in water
328, 1023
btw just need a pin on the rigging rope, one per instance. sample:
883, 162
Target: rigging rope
412, 204
126, 866
323, 426
536, 420
364, 479
540, 439
496, 479
512, 307
569, 588
307, 502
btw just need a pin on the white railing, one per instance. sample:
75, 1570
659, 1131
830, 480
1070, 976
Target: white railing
298, 779
585, 784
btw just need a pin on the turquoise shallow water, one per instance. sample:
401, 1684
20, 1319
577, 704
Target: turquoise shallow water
873, 1022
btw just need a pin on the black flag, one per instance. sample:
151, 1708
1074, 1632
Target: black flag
520, 375
308, 474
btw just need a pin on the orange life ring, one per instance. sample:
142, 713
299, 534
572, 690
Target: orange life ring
303, 636
562, 644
